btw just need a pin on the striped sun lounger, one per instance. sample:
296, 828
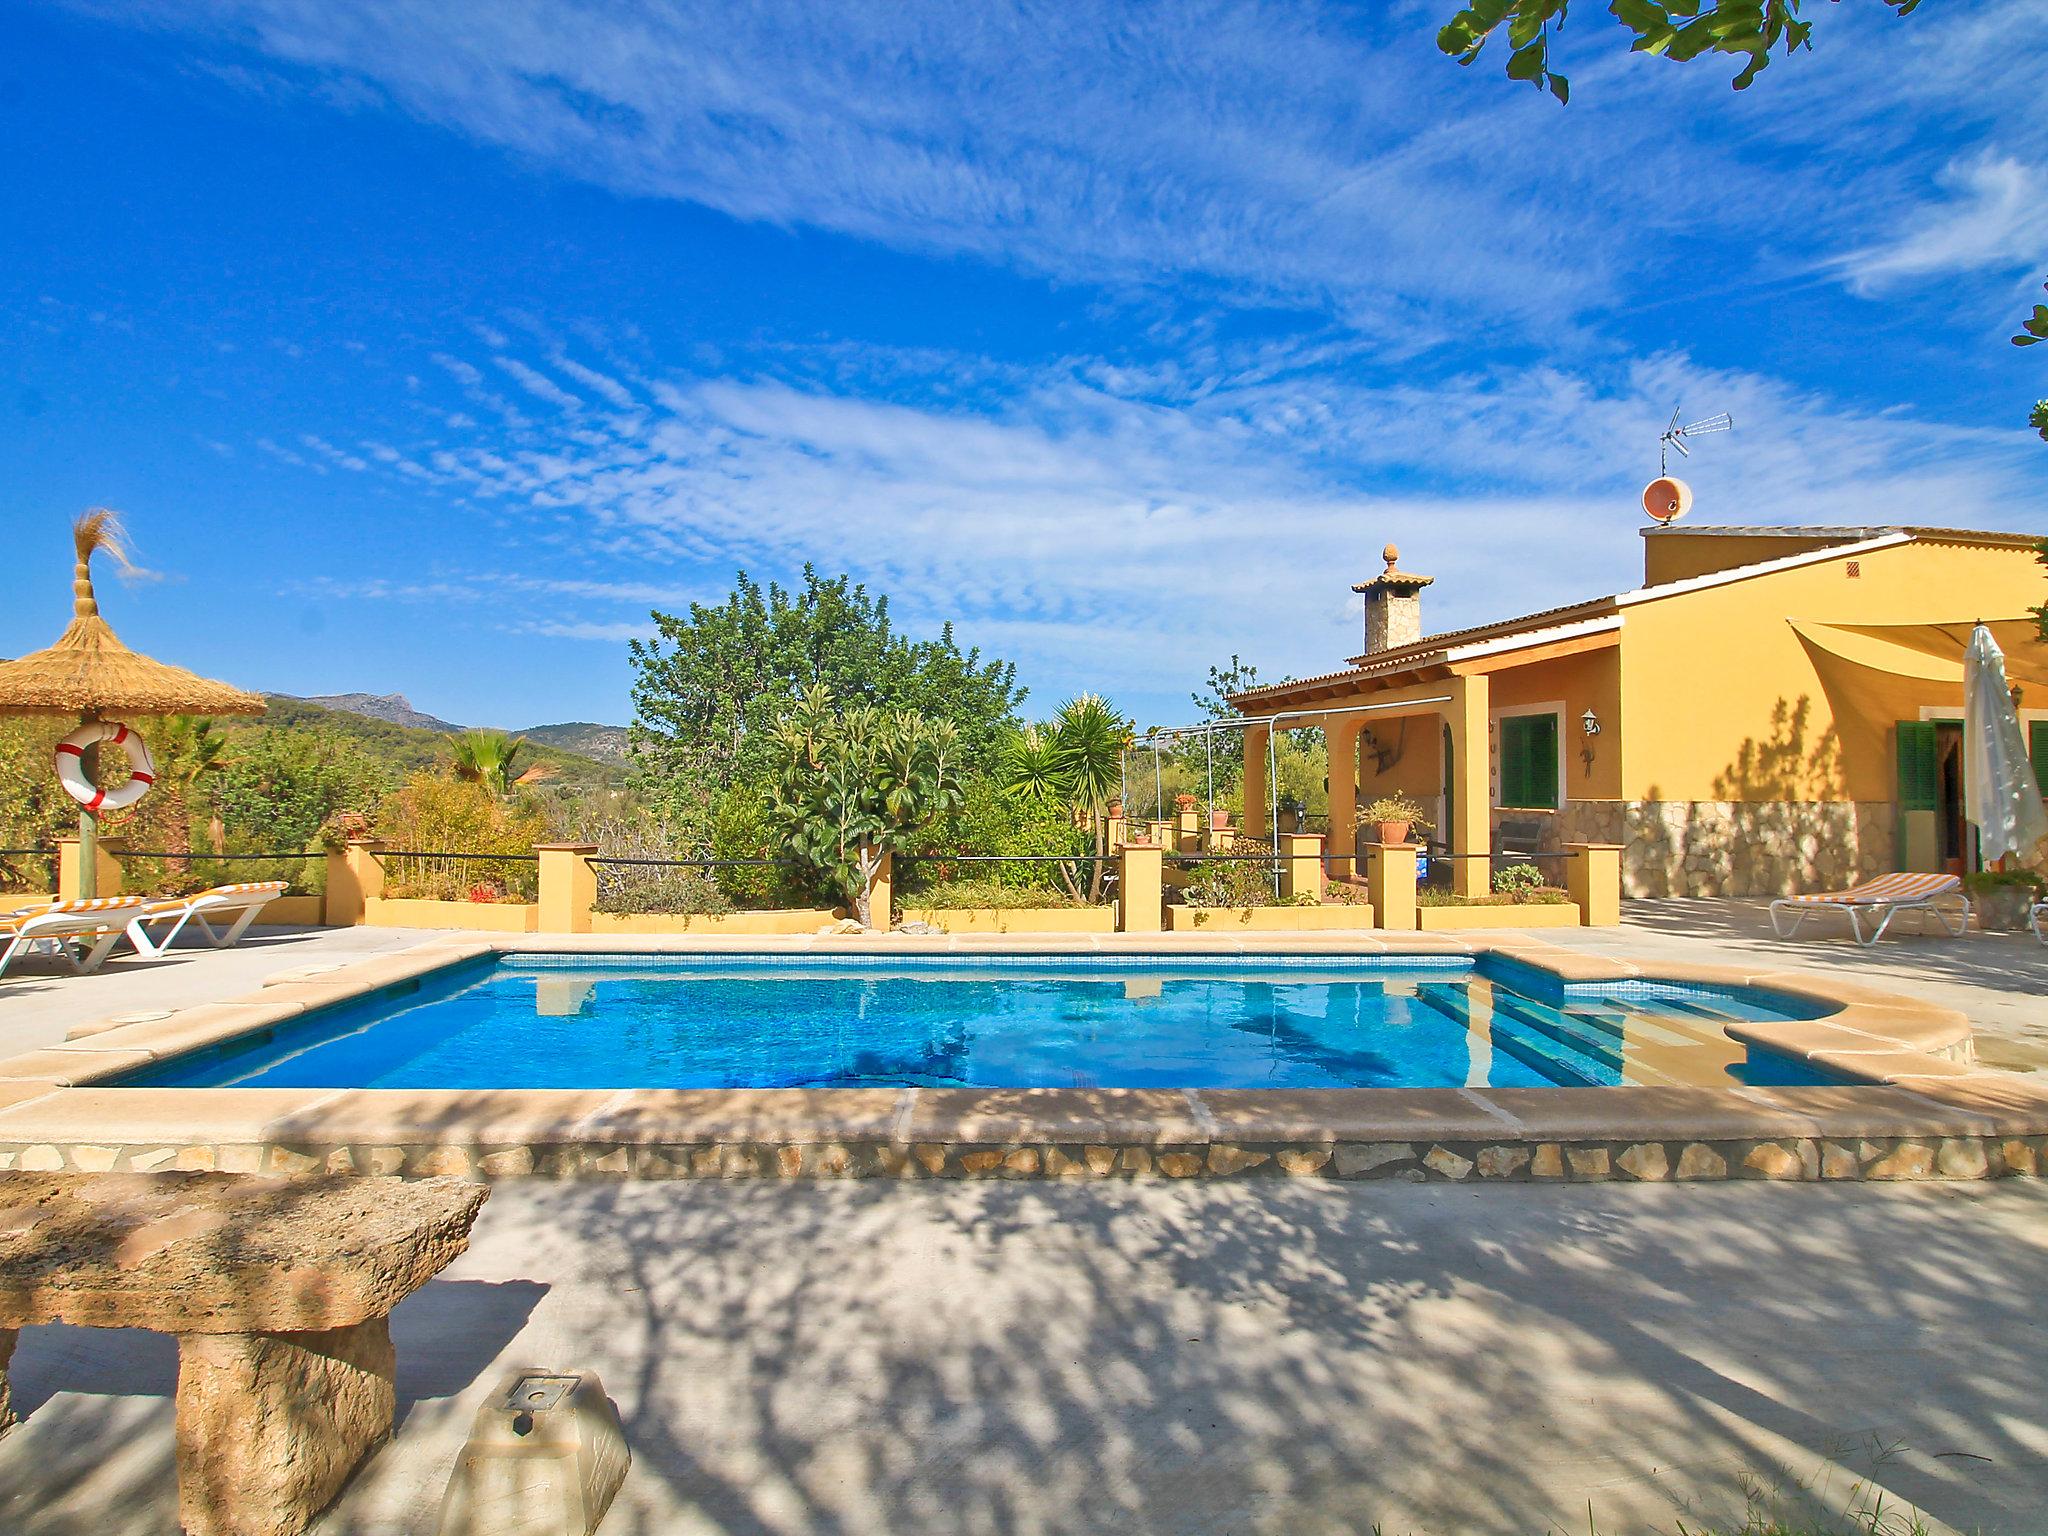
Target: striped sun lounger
237, 906
79, 933
1879, 901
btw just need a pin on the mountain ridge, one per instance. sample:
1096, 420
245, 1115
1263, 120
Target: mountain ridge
585, 738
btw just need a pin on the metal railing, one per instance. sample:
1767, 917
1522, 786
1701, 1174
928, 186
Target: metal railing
308, 878
1089, 879
9, 877
451, 875
699, 885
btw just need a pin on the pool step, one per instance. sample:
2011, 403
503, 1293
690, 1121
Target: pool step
1541, 1052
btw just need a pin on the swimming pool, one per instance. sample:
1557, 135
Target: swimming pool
520, 1020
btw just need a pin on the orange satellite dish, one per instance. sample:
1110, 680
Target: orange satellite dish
1667, 499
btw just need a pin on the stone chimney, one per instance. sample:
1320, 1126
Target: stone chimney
1393, 606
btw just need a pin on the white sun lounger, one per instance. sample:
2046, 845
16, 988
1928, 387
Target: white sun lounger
93, 927
1878, 901
241, 903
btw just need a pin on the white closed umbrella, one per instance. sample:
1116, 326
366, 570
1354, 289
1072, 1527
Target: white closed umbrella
1999, 792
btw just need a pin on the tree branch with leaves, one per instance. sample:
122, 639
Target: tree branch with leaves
1675, 29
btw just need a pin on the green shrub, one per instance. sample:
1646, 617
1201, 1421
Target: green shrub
1517, 882
1999, 879
1232, 882
975, 892
437, 814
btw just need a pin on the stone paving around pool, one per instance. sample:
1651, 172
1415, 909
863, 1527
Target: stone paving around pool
1909, 1104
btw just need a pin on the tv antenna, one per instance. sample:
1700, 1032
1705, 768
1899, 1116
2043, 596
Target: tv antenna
1675, 436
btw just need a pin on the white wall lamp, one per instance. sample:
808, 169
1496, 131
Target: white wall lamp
1589, 723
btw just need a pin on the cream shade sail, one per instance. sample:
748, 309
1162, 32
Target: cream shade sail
1930, 652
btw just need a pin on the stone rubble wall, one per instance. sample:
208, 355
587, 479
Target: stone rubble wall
1732, 847
1657, 1160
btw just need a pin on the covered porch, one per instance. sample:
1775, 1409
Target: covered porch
1427, 740
1482, 734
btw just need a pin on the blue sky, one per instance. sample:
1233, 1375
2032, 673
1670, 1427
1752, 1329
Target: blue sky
427, 346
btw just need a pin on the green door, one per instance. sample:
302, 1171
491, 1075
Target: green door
1919, 796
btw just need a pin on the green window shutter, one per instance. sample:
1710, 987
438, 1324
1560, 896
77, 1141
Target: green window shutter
1542, 760
1919, 786
2037, 749
1528, 762
1510, 762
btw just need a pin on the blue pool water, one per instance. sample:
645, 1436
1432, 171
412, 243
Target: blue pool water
543, 1021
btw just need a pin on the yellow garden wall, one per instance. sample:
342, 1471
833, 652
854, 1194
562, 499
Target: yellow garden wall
1448, 919
1266, 919
747, 924
1017, 919
294, 912
481, 916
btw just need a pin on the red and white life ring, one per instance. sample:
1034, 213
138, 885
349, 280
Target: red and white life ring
71, 770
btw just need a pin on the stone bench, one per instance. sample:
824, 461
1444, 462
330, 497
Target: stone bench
280, 1294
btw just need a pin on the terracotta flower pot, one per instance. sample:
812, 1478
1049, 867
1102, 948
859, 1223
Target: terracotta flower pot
1393, 833
1219, 820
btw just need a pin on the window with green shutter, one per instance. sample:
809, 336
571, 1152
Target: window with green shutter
2037, 749
1528, 762
1919, 778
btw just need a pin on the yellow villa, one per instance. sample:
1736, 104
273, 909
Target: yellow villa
1773, 709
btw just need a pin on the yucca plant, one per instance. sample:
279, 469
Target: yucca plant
1076, 760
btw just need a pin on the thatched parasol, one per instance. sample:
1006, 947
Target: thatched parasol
90, 674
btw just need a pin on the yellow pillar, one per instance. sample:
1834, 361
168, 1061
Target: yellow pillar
1390, 884
1593, 876
1140, 905
1301, 866
1255, 738
882, 896
1187, 830
355, 876
1115, 830
1342, 736
568, 886
71, 883
1471, 829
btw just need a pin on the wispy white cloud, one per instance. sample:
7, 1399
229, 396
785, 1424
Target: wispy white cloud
1107, 536
1994, 217
615, 634
536, 383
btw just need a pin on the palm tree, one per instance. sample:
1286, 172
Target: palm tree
486, 757
186, 749
1077, 760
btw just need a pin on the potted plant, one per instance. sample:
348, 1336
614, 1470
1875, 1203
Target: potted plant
1219, 819
1393, 817
1290, 810
2002, 898
1184, 802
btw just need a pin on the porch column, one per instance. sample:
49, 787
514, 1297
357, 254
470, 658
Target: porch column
1255, 810
1471, 828
1342, 735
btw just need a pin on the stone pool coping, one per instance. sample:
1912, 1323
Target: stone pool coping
1906, 1101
